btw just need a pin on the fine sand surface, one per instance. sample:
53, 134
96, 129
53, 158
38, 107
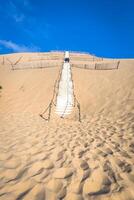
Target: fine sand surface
64, 159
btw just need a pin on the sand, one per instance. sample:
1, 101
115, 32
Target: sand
63, 158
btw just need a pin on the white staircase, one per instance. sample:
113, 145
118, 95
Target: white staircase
65, 99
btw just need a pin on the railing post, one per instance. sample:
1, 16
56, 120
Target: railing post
78, 105
49, 114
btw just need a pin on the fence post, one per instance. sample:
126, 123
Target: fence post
3, 61
95, 67
12, 66
118, 64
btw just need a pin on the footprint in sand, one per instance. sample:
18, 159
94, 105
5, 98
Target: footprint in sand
63, 173
97, 183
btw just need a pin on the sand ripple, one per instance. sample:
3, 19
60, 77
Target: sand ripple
85, 162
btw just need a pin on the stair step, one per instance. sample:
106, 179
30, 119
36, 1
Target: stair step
64, 110
65, 99
61, 113
64, 107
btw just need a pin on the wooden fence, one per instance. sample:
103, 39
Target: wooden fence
34, 65
98, 66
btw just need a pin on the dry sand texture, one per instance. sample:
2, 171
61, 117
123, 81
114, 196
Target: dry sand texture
65, 159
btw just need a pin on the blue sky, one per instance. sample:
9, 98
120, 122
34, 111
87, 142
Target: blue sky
104, 28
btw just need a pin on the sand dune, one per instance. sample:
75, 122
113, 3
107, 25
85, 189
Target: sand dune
63, 158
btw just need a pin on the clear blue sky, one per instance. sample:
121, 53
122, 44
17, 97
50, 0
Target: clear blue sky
101, 27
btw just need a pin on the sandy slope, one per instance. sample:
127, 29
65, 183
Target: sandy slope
65, 159
110, 92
